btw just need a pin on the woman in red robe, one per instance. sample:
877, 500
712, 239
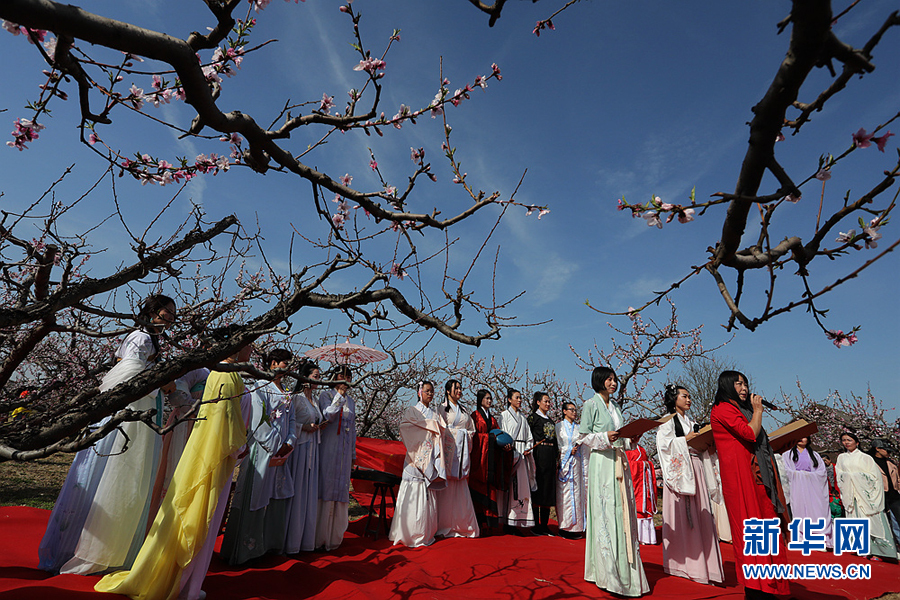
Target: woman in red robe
643, 478
750, 483
490, 464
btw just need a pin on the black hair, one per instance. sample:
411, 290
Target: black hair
340, 371
447, 387
422, 384
536, 398
150, 308
796, 455
479, 396
278, 355
599, 377
566, 404
510, 392
850, 434
307, 367
726, 390
670, 396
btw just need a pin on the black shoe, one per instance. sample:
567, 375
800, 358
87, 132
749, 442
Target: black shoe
510, 530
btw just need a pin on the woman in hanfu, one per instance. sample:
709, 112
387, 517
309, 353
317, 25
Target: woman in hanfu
100, 518
175, 557
303, 465
750, 482
456, 514
805, 470
515, 502
188, 389
423, 433
643, 482
862, 492
258, 516
546, 460
491, 464
337, 452
891, 476
612, 559
571, 498
690, 541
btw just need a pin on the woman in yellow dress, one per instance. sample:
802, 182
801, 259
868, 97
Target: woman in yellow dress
174, 559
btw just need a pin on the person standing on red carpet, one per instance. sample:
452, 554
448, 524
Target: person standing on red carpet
546, 460
690, 541
491, 464
423, 433
612, 558
750, 482
456, 514
643, 479
515, 503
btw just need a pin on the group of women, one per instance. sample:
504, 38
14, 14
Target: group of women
147, 518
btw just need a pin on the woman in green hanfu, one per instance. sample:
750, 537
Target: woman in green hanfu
611, 558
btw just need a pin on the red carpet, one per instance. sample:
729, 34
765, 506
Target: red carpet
495, 567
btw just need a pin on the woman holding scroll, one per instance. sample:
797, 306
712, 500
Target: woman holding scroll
690, 543
611, 558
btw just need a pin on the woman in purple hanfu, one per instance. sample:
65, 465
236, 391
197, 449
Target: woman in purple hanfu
809, 487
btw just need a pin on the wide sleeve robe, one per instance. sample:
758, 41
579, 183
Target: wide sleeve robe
690, 540
862, 492
612, 558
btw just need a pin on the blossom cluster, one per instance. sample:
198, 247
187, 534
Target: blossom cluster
839, 338
147, 169
541, 25
869, 234
652, 210
861, 139
25, 131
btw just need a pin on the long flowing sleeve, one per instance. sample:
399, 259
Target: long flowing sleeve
675, 460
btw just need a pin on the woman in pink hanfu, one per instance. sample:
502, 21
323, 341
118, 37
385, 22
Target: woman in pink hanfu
690, 542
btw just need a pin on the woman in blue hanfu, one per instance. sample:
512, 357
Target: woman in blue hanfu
100, 518
337, 452
571, 498
303, 464
611, 559
258, 516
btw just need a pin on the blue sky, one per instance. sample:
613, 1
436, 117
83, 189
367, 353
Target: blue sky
625, 99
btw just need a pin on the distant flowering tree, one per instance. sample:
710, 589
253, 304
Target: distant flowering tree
644, 356
382, 395
118, 69
863, 415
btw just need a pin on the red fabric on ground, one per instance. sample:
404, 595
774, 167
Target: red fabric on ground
493, 567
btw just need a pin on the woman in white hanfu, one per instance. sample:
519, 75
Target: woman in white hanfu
258, 516
337, 452
303, 465
612, 559
862, 493
514, 503
690, 539
571, 499
422, 431
456, 513
116, 523
805, 470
